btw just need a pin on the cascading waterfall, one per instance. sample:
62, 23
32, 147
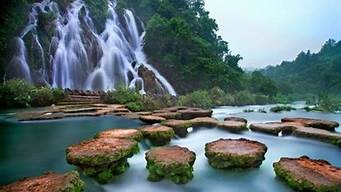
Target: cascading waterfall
78, 57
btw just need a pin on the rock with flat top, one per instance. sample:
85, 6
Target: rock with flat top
102, 158
50, 182
316, 123
304, 174
319, 134
235, 119
133, 134
158, 135
150, 119
171, 162
273, 128
233, 126
235, 153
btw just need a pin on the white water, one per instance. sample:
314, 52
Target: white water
70, 55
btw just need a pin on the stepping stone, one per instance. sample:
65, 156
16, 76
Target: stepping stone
319, 134
133, 134
273, 128
316, 123
235, 153
168, 115
171, 162
191, 113
102, 158
305, 174
233, 126
158, 135
50, 182
179, 126
150, 119
235, 119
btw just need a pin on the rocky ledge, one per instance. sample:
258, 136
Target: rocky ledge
180, 126
52, 182
171, 162
133, 134
235, 153
316, 123
102, 158
305, 174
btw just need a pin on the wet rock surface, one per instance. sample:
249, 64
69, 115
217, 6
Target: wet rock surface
133, 134
102, 158
239, 119
273, 128
51, 182
151, 119
316, 123
319, 134
158, 135
233, 126
305, 174
235, 153
171, 162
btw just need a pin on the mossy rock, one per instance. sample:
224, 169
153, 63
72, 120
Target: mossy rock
240, 119
158, 135
305, 174
233, 126
133, 134
235, 153
316, 123
102, 158
150, 119
52, 182
273, 128
171, 162
318, 134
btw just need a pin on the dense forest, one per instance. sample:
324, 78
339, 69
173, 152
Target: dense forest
310, 73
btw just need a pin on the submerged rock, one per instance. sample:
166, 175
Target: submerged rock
305, 174
133, 134
150, 119
316, 123
158, 135
235, 153
51, 182
171, 162
102, 158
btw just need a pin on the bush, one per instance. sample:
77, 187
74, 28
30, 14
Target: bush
261, 99
15, 93
280, 108
244, 98
198, 98
217, 95
122, 95
19, 93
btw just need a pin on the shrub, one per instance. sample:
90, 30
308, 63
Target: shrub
198, 98
122, 95
45, 96
280, 108
15, 93
244, 98
217, 95
261, 99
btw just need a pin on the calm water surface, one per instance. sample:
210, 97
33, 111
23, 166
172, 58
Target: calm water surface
31, 148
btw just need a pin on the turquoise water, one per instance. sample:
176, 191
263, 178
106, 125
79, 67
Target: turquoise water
31, 148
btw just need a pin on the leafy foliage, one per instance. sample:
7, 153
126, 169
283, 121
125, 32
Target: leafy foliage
311, 73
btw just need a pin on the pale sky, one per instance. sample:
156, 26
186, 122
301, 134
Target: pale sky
266, 32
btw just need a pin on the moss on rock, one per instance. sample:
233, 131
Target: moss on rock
52, 182
235, 153
133, 134
305, 174
102, 158
172, 162
158, 135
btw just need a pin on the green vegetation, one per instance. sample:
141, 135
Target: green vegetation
281, 108
99, 12
18, 93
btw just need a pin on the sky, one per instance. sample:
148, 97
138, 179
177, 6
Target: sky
266, 32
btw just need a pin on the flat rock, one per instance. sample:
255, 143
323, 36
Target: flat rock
50, 182
305, 174
179, 126
158, 135
273, 128
235, 119
316, 123
191, 113
235, 153
97, 152
233, 126
319, 134
168, 115
33, 116
133, 134
172, 162
150, 119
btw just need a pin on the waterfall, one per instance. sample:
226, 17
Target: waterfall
78, 57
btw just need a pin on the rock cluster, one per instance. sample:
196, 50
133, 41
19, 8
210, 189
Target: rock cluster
171, 162
102, 158
51, 182
235, 153
305, 174
158, 135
